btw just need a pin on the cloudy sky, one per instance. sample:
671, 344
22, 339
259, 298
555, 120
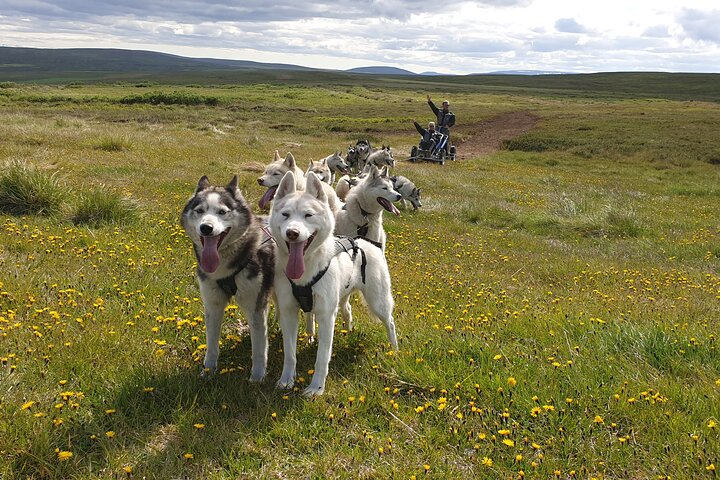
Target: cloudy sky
447, 36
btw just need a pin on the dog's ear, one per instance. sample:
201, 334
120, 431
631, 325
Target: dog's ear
202, 184
373, 172
233, 185
309, 166
286, 187
277, 156
290, 161
313, 186
418, 191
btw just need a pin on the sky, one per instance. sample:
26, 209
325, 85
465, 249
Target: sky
451, 36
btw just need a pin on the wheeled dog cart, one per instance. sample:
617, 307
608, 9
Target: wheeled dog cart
436, 151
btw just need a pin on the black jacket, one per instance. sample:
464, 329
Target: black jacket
445, 120
428, 137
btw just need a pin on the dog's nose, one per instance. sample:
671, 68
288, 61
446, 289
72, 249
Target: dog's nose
206, 229
292, 234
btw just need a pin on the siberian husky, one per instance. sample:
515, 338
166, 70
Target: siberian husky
408, 190
275, 171
346, 182
362, 214
321, 169
235, 258
357, 155
381, 158
336, 164
316, 271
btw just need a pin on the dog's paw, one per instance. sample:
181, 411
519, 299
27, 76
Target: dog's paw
313, 391
285, 383
257, 377
207, 373
309, 339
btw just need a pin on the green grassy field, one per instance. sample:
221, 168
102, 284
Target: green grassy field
558, 301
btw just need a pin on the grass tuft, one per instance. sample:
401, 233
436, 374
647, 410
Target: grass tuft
26, 190
99, 207
113, 144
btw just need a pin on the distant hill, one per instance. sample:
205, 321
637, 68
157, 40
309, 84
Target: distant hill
31, 61
381, 71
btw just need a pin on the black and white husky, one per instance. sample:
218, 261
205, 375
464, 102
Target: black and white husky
236, 257
316, 271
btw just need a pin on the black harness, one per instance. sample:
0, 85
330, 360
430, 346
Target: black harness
304, 293
362, 230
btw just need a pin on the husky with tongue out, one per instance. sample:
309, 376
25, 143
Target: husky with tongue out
364, 205
316, 272
236, 257
275, 171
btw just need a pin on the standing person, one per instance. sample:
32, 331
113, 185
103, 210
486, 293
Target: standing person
445, 118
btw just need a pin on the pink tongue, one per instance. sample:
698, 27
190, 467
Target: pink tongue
389, 206
210, 258
296, 262
267, 197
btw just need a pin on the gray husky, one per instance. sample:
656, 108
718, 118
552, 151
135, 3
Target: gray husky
336, 164
235, 258
316, 272
408, 190
381, 158
362, 214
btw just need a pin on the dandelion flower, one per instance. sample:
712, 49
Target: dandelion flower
64, 455
27, 405
486, 462
598, 419
199, 426
188, 456
511, 381
508, 442
110, 434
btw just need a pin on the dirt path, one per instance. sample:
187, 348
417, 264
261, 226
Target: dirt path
487, 136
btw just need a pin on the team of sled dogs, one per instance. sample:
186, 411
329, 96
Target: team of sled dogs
314, 250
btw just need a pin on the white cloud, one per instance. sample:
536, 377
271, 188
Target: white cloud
458, 37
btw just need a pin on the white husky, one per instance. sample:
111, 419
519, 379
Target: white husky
316, 271
275, 171
362, 214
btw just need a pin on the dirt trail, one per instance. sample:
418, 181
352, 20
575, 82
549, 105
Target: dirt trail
487, 136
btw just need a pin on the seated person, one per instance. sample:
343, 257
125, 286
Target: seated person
430, 136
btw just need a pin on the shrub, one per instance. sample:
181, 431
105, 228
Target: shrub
25, 190
170, 98
100, 207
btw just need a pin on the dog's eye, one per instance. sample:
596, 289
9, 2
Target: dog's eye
222, 211
308, 215
199, 211
285, 214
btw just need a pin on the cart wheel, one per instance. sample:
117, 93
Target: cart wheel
453, 152
413, 154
